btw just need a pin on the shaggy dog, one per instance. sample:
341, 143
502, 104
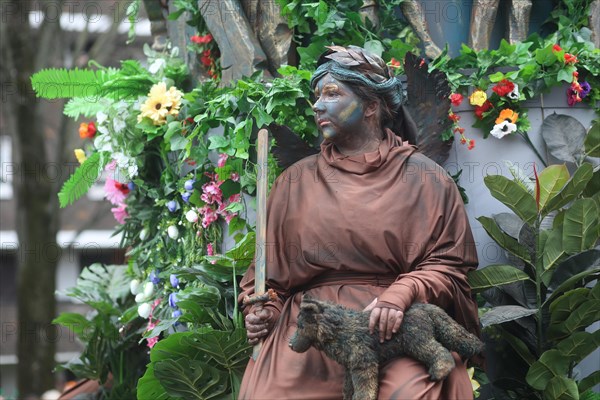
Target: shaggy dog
427, 334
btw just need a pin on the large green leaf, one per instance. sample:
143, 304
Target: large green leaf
572, 189
574, 269
564, 136
190, 379
495, 275
589, 381
75, 322
228, 349
509, 223
149, 387
519, 200
501, 314
561, 388
206, 296
503, 239
562, 307
552, 363
552, 179
579, 226
592, 140
518, 346
579, 345
583, 316
553, 253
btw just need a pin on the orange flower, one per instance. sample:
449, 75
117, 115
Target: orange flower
507, 115
87, 130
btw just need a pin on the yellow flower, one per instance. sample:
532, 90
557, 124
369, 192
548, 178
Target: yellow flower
160, 103
80, 155
474, 383
477, 98
507, 115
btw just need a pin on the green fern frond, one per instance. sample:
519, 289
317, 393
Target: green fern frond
58, 83
82, 180
128, 86
86, 107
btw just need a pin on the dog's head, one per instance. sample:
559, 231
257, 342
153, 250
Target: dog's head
307, 334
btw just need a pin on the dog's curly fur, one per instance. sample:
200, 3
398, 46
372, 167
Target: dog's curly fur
427, 334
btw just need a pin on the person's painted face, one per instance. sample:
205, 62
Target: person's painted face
339, 113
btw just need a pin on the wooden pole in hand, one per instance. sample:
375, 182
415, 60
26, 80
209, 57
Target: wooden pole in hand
262, 149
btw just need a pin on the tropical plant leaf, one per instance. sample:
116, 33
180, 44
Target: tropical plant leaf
574, 269
520, 177
84, 106
495, 275
580, 226
552, 254
190, 379
58, 83
82, 180
552, 179
228, 349
504, 240
583, 316
562, 307
589, 381
519, 200
501, 314
509, 223
75, 322
572, 189
551, 364
592, 140
564, 136
519, 347
579, 345
149, 386
561, 388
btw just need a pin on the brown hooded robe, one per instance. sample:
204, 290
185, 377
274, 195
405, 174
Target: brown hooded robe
389, 224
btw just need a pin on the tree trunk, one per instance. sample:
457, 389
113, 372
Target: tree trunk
37, 214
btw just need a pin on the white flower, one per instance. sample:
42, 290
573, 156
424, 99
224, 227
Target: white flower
503, 129
144, 310
132, 170
118, 124
143, 234
148, 289
157, 65
134, 286
103, 142
514, 95
101, 117
191, 216
173, 232
140, 297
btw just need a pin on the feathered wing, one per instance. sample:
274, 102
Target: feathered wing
428, 105
289, 147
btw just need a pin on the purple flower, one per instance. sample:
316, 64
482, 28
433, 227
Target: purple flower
173, 300
586, 88
176, 314
186, 196
174, 280
189, 185
131, 185
154, 278
172, 205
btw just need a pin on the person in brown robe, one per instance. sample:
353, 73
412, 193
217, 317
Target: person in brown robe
369, 223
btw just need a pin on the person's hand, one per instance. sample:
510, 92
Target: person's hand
258, 324
387, 319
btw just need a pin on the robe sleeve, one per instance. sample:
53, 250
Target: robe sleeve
439, 274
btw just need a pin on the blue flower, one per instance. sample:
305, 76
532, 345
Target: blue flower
174, 280
172, 205
189, 185
154, 277
131, 186
186, 196
176, 314
173, 300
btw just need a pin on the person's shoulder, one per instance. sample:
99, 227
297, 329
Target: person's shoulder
427, 169
296, 170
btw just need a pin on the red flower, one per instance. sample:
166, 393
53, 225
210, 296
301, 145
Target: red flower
206, 59
453, 117
395, 63
479, 110
570, 58
456, 99
201, 39
87, 131
463, 140
122, 187
556, 48
471, 144
503, 87
459, 129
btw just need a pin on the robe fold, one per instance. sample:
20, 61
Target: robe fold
389, 224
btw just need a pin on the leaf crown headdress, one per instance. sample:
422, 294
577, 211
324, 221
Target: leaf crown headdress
357, 66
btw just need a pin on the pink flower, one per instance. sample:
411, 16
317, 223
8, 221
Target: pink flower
235, 176
222, 159
210, 250
208, 216
234, 198
211, 193
229, 217
152, 341
120, 213
116, 192
111, 166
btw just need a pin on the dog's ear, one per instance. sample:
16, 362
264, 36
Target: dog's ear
311, 305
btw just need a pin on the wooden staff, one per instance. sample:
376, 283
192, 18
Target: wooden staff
262, 149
